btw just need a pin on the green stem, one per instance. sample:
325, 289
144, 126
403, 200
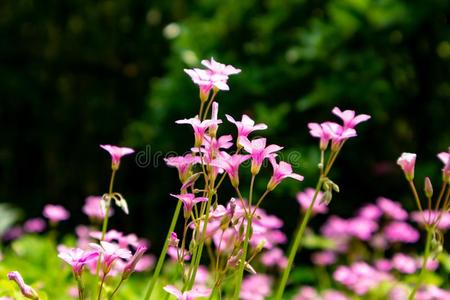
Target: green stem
416, 196
240, 273
101, 287
424, 265
115, 290
80, 288
296, 245
162, 256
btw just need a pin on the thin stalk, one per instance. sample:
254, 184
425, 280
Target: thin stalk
101, 287
116, 289
240, 273
209, 105
80, 288
162, 256
416, 196
296, 245
424, 265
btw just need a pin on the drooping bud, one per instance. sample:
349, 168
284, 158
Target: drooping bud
131, 264
26, 290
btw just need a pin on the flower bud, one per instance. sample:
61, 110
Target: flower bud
26, 290
428, 188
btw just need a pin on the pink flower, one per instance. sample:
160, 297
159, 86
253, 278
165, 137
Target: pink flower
187, 295
131, 264
383, 264
274, 257
258, 152
404, 263
26, 290
349, 118
324, 258
441, 217
245, 126
401, 232
214, 118
307, 293
361, 228
334, 295
183, 164
338, 133
445, 158
93, 208
116, 154
220, 69
256, 287
206, 80
305, 199
199, 127
370, 211
34, 225
110, 253
392, 209
407, 162
322, 132
281, 171
189, 200
230, 163
145, 263
77, 258
55, 213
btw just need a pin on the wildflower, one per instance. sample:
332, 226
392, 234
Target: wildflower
392, 209
322, 132
110, 253
220, 69
404, 263
94, 209
407, 162
307, 293
305, 198
55, 213
187, 295
349, 118
256, 287
207, 80
34, 225
145, 263
281, 171
245, 127
77, 258
323, 258
401, 232
131, 264
183, 164
258, 152
116, 154
230, 163
26, 290
428, 217
274, 257
215, 122
361, 228
445, 158
189, 200
370, 211
199, 127
173, 240
338, 134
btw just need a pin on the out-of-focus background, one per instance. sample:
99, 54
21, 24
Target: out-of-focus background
76, 74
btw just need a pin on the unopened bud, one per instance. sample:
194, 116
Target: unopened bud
428, 188
326, 198
26, 290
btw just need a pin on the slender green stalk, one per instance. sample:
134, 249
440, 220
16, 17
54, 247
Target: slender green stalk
101, 287
424, 265
296, 245
416, 196
162, 256
80, 288
240, 273
115, 290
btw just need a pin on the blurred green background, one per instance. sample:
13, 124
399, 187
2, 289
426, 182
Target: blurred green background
75, 74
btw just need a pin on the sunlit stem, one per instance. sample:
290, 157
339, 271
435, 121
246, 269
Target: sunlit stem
240, 273
80, 288
116, 289
209, 105
162, 256
101, 287
416, 196
424, 265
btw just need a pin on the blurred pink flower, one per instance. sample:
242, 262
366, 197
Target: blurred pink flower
256, 287
407, 162
323, 258
349, 118
55, 213
93, 208
432, 216
334, 295
26, 290
307, 293
258, 151
145, 263
281, 171
274, 258
383, 264
361, 228
245, 126
77, 258
404, 263
187, 295
432, 292
130, 266
305, 198
34, 225
110, 252
392, 209
219, 68
117, 153
370, 211
401, 232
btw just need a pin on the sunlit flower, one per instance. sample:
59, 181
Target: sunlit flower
110, 252
349, 118
77, 258
230, 163
199, 127
207, 80
187, 295
55, 213
189, 200
183, 164
258, 152
281, 171
245, 126
407, 162
131, 264
219, 68
116, 154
